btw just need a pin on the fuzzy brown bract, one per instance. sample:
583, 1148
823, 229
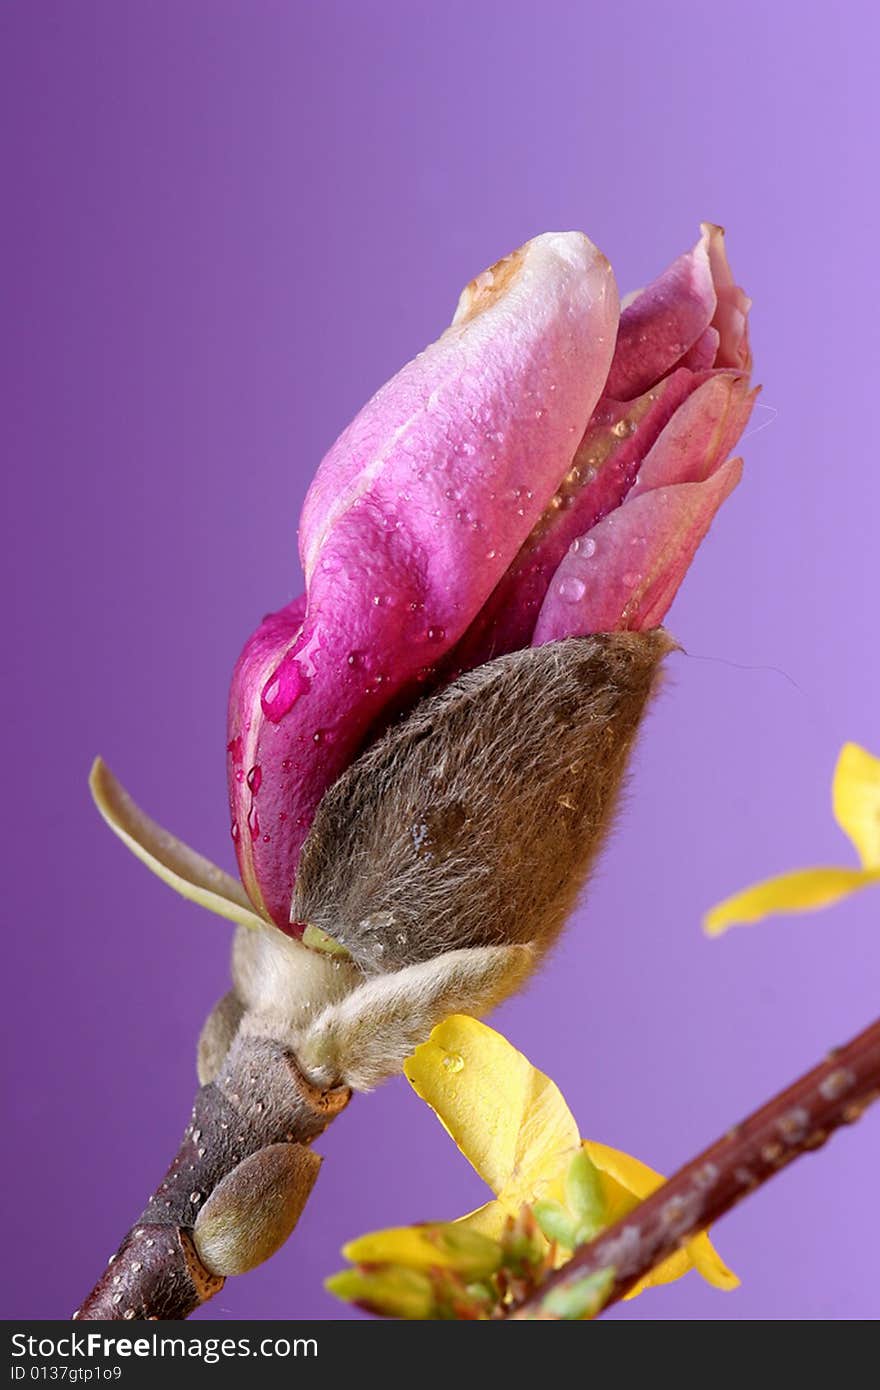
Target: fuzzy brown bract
475, 821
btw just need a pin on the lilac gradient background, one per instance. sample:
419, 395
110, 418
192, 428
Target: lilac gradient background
225, 225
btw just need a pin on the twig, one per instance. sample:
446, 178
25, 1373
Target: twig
232, 1195
796, 1121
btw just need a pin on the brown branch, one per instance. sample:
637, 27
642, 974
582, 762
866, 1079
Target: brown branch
233, 1193
796, 1121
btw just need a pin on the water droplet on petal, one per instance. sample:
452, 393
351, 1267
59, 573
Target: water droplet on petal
253, 821
454, 1062
235, 832
255, 779
283, 689
572, 589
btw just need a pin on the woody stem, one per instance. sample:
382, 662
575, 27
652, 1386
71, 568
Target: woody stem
233, 1193
796, 1121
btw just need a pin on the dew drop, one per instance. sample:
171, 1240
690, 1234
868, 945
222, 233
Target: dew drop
195, 1196
239, 775
377, 921
355, 659
253, 821
454, 1062
283, 689
435, 634
235, 832
255, 779
572, 589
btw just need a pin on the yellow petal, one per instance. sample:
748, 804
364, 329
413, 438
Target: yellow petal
187, 872
630, 1181
699, 1254
440, 1246
509, 1120
488, 1219
627, 1172
709, 1264
856, 800
665, 1273
804, 890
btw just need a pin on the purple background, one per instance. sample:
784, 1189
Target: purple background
225, 225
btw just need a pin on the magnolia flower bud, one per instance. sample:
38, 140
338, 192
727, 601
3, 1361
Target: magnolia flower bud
522, 480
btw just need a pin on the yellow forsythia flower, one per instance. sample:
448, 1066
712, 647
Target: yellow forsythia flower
512, 1124
856, 803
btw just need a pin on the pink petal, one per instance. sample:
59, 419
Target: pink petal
704, 351
414, 515
276, 634
700, 436
617, 439
454, 425
693, 316
731, 312
662, 324
626, 572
